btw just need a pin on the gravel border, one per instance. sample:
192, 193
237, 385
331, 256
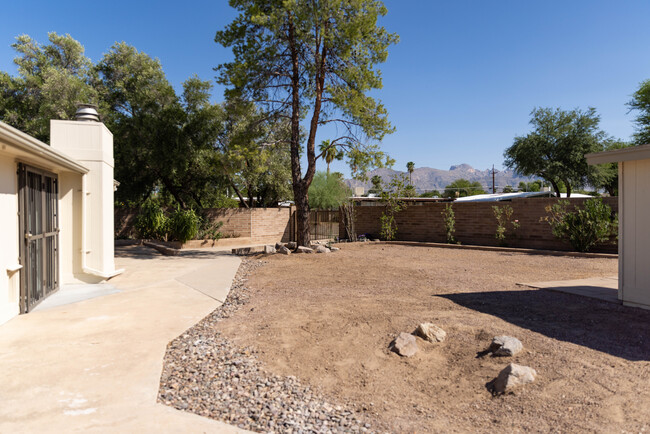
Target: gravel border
206, 374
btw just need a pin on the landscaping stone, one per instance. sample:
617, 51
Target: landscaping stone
243, 251
278, 245
405, 345
322, 249
283, 250
510, 377
269, 249
292, 245
334, 249
430, 332
505, 346
303, 249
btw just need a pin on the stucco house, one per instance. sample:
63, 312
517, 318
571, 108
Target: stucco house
634, 221
56, 205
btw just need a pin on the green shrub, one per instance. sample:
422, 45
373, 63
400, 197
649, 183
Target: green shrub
449, 218
183, 225
503, 214
151, 222
209, 230
594, 223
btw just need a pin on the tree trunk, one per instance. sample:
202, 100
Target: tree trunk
568, 189
302, 215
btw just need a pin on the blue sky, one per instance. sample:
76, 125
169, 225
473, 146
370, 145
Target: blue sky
459, 86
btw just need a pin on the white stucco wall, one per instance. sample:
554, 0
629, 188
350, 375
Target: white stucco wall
9, 252
634, 235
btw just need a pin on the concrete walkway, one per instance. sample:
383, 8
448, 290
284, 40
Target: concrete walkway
601, 288
94, 365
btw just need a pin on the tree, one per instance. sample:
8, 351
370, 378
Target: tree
410, 166
51, 80
462, 187
432, 193
609, 171
328, 192
641, 104
376, 184
530, 186
315, 59
555, 149
508, 189
330, 153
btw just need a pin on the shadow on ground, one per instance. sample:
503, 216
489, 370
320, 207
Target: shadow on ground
613, 329
144, 252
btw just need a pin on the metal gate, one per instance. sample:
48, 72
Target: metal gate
39, 228
323, 224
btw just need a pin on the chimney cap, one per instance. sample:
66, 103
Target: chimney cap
87, 112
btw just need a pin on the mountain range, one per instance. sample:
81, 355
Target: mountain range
427, 178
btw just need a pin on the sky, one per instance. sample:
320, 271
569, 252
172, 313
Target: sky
459, 86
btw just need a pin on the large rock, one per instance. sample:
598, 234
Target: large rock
505, 346
405, 345
303, 249
278, 245
334, 249
269, 249
512, 377
283, 250
430, 332
322, 249
292, 245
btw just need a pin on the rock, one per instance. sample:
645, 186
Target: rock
269, 249
278, 245
505, 346
430, 332
511, 377
405, 345
334, 249
292, 245
302, 249
322, 249
283, 250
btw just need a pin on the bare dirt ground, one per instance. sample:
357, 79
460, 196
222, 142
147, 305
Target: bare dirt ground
329, 320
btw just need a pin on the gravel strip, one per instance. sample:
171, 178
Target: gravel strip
206, 374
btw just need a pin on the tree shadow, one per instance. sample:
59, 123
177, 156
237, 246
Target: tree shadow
607, 327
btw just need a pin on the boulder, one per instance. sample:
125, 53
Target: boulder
505, 346
283, 250
269, 249
292, 245
278, 245
322, 249
405, 345
510, 377
430, 332
303, 249
334, 249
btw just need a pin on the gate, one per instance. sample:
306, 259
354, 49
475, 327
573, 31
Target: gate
323, 224
39, 228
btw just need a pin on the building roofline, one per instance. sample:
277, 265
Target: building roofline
632, 153
29, 144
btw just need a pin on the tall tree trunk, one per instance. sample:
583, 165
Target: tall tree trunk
568, 189
302, 216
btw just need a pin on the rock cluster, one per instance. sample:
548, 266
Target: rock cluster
206, 374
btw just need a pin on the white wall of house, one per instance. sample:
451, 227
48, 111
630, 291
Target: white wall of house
9, 253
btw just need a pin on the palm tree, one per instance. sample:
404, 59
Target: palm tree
330, 153
410, 166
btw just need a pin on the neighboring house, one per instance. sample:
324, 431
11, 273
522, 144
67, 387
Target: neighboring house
57, 210
634, 221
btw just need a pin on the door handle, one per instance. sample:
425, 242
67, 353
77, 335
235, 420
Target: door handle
27, 235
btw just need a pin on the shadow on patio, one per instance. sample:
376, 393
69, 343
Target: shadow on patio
610, 328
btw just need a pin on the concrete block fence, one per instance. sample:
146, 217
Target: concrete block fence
475, 223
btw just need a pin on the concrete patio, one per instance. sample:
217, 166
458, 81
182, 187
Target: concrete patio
93, 364
601, 288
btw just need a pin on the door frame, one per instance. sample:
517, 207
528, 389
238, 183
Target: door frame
27, 303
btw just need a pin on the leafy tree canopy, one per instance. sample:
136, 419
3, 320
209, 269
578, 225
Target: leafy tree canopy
328, 192
464, 188
555, 149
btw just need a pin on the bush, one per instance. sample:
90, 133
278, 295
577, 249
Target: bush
594, 223
328, 192
151, 221
449, 218
503, 215
183, 225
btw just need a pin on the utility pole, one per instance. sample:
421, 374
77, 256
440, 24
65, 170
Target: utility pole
493, 187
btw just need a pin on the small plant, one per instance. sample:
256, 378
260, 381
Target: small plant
449, 219
184, 225
151, 222
503, 214
209, 230
393, 204
594, 223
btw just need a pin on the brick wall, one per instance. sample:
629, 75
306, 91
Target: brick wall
475, 223
263, 225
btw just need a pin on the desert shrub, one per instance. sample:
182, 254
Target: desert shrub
584, 227
449, 219
328, 192
391, 199
183, 225
151, 221
503, 214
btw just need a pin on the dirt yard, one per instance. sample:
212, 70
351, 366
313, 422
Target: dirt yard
329, 320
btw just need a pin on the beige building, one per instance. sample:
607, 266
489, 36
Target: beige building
634, 221
57, 211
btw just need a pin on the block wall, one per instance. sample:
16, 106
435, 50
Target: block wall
475, 223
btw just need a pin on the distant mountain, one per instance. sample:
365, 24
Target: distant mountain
427, 178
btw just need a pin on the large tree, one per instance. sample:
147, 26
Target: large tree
315, 60
555, 149
641, 104
462, 187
